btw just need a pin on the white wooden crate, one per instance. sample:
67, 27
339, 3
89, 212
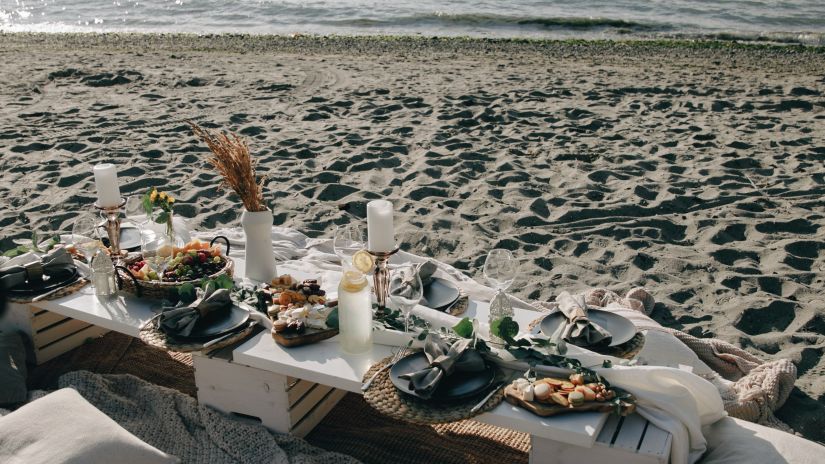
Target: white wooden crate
52, 334
631, 440
281, 403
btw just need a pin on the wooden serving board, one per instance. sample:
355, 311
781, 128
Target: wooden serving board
512, 395
310, 335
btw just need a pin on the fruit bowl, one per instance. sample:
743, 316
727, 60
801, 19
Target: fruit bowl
160, 278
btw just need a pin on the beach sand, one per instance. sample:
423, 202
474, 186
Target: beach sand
697, 171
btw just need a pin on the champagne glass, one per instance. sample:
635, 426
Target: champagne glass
406, 290
348, 240
500, 268
86, 234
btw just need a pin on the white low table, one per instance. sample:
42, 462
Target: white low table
292, 389
325, 364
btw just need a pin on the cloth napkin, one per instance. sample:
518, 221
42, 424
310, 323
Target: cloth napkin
445, 359
404, 287
181, 320
30, 267
579, 330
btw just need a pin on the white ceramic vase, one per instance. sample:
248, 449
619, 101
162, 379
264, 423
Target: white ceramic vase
259, 259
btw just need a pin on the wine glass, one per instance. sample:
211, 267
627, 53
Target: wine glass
348, 240
134, 210
500, 268
86, 234
406, 290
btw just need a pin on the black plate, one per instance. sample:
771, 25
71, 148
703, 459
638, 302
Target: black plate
440, 293
619, 327
130, 239
214, 326
454, 387
49, 283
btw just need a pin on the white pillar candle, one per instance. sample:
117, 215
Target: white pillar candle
108, 192
380, 232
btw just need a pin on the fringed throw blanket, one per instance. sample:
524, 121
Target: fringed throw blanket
177, 424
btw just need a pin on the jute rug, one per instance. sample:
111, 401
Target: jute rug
351, 428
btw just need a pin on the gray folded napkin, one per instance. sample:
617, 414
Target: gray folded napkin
31, 268
181, 320
403, 288
445, 359
579, 330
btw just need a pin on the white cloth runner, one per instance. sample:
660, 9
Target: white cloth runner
675, 400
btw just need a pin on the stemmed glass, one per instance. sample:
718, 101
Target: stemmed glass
348, 240
134, 210
500, 269
406, 290
86, 234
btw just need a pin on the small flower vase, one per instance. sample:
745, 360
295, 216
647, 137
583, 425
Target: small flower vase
170, 228
259, 259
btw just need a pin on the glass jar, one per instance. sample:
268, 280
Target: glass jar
500, 307
354, 312
103, 276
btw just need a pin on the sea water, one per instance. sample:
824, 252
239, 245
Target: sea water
781, 21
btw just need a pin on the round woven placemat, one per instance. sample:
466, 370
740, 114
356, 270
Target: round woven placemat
65, 291
386, 399
627, 350
150, 335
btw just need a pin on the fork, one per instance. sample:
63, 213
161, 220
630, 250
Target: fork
402, 351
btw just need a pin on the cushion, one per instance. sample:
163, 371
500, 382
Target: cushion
735, 441
12, 369
62, 427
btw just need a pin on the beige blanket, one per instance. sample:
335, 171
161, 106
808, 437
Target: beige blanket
176, 424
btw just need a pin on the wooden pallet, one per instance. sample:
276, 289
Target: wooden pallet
631, 440
281, 403
52, 334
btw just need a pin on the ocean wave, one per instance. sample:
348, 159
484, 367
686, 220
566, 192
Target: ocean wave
498, 21
782, 38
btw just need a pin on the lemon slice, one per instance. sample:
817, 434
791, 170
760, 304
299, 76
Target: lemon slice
362, 260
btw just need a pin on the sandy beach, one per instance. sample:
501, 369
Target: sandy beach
695, 170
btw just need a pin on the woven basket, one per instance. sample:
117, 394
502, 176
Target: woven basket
158, 290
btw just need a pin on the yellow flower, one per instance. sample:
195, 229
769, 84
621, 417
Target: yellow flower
153, 196
170, 199
162, 196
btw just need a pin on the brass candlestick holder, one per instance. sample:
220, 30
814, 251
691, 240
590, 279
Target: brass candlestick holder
381, 276
113, 228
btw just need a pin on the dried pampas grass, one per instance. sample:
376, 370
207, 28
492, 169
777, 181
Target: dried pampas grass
232, 160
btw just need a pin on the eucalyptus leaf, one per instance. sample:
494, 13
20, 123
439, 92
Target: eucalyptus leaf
332, 319
542, 342
561, 347
16, 251
147, 203
187, 293
494, 328
224, 281
53, 242
464, 328
506, 329
607, 364
35, 241
162, 217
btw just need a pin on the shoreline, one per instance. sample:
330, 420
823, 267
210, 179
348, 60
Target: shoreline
235, 42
